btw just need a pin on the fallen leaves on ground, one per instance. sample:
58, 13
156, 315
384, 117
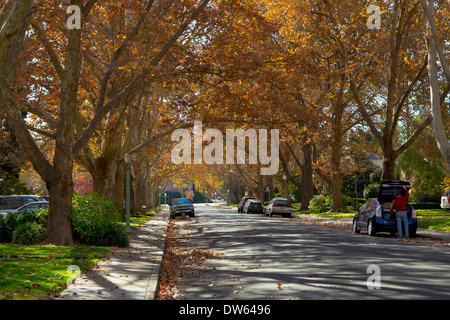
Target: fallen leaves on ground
177, 260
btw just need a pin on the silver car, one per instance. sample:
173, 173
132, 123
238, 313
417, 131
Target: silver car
280, 206
28, 207
445, 203
11, 203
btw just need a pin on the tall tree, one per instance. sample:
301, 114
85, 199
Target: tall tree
57, 172
381, 78
435, 53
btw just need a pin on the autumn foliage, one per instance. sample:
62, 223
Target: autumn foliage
135, 71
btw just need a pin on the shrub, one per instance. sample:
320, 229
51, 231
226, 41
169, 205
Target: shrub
112, 234
39, 216
426, 205
28, 233
322, 203
7, 226
91, 214
319, 204
371, 190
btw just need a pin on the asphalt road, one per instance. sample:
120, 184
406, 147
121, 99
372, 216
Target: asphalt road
279, 258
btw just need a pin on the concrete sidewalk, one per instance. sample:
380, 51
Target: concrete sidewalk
130, 273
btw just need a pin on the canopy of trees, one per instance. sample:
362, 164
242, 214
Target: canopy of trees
84, 82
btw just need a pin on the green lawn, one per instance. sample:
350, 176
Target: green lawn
39, 271
137, 221
436, 219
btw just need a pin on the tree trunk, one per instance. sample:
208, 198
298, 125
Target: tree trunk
59, 227
388, 164
306, 187
336, 183
260, 187
119, 186
59, 183
438, 126
139, 193
104, 176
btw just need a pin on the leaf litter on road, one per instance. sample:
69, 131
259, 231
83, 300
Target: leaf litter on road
178, 259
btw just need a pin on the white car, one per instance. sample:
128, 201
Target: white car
445, 203
280, 206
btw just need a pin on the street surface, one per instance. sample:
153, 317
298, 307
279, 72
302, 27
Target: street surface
280, 258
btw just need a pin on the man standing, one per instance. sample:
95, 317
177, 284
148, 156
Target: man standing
399, 205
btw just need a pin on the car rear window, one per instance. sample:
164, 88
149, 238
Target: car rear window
283, 202
30, 207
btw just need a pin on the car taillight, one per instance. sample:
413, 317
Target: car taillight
413, 214
379, 212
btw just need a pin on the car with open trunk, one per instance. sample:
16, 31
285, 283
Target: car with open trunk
373, 216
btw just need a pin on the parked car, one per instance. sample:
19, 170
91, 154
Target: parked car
28, 207
241, 203
255, 206
10, 203
280, 206
374, 216
181, 207
445, 200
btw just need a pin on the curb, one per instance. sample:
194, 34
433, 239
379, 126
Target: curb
153, 282
130, 273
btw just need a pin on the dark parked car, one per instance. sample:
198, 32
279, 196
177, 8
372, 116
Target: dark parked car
255, 206
374, 216
241, 203
181, 207
10, 203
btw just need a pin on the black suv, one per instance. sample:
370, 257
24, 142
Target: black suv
181, 207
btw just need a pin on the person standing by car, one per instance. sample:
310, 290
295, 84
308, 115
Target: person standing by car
399, 205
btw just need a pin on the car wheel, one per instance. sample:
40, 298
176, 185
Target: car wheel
371, 228
355, 227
